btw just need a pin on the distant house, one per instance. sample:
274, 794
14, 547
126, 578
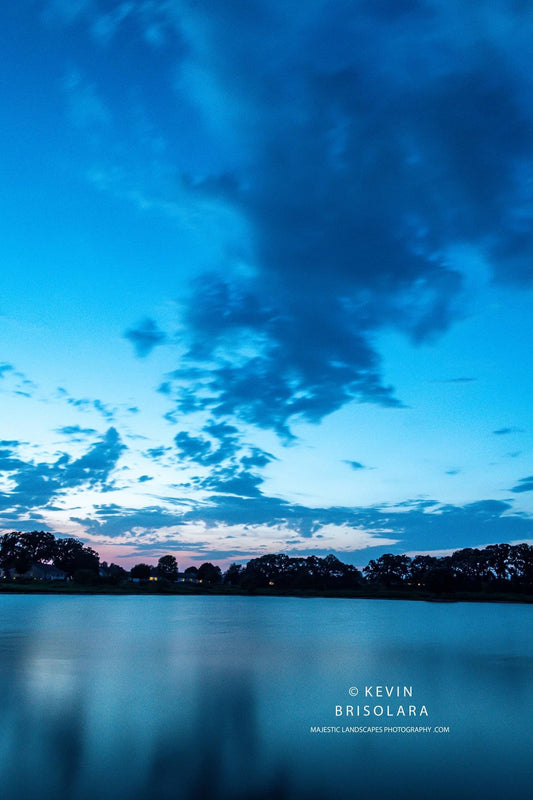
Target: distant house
187, 577
41, 572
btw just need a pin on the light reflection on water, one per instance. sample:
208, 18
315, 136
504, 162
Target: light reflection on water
213, 698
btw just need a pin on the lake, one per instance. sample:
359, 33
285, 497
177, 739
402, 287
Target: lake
228, 698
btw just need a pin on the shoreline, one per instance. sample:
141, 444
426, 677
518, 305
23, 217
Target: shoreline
45, 588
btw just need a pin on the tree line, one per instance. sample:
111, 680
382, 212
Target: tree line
19, 551
495, 568
498, 567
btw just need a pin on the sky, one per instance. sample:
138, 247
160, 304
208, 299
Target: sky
266, 276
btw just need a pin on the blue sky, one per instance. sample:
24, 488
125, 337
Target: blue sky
267, 274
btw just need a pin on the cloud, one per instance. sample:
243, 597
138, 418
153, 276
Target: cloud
76, 430
240, 527
5, 368
370, 142
95, 467
223, 444
37, 484
524, 485
231, 480
193, 448
85, 404
145, 337
19, 384
232, 465
358, 146
157, 453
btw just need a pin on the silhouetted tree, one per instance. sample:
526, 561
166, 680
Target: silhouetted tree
33, 546
233, 575
141, 571
167, 567
266, 570
22, 563
208, 573
388, 570
41, 546
521, 565
72, 555
10, 549
311, 573
191, 573
419, 569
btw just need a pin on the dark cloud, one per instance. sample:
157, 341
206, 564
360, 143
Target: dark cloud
524, 485
113, 520
231, 480
145, 337
76, 430
95, 467
258, 458
232, 464
372, 140
193, 448
37, 484
505, 431
487, 508
4, 368
157, 453
103, 409
356, 465
223, 444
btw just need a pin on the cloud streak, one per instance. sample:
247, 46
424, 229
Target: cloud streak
240, 527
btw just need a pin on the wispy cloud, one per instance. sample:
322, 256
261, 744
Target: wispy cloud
145, 336
355, 465
245, 526
524, 485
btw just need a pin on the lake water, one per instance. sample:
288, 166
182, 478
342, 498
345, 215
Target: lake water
236, 697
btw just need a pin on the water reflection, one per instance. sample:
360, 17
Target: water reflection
213, 698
